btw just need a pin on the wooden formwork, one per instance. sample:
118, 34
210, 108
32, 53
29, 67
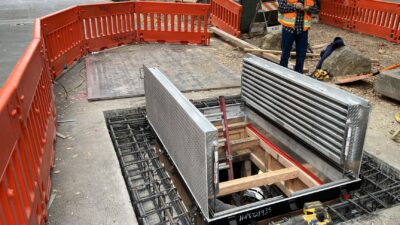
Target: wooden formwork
275, 167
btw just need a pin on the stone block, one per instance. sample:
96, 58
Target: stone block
388, 84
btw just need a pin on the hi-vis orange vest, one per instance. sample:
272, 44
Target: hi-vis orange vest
289, 19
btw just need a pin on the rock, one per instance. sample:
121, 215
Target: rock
388, 84
271, 41
346, 61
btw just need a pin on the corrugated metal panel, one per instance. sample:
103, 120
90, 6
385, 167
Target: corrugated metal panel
331, 120
187, 135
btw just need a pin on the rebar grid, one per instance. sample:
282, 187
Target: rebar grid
153, 195
156, 201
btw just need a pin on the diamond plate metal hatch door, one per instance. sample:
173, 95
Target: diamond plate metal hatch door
189, 138
330, 120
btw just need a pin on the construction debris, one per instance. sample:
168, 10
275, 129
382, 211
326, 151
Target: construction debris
345, 60
388, 84
356, 77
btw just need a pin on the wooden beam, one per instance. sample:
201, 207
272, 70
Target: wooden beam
272, 164
241, 184
284, 189
246, 168
233, 126
242, 44
276, 52
304, 177
242, 143
239, 155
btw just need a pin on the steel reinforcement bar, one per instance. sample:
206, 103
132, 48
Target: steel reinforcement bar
153, 195
132, 136
378, 18
27, 110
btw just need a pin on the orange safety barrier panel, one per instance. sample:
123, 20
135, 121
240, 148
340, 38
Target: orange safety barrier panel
27, 133
337, 13
378, 18
63, 36
226, 15
108, 25
183, 23
27, 109
381, 19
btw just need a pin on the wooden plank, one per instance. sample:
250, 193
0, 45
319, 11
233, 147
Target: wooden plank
241, 184
352, 78
304, 177
272, 164
243, 143
239, 155
233, 135
320, 46
284, 189
276, 52
233, 126
242, 44
246, 168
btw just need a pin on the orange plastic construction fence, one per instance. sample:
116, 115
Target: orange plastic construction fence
27, 109
27, 133
226, 15
378, 18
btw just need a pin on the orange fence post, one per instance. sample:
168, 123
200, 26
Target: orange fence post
226, 15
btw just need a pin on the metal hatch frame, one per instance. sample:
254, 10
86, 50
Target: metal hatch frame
187, 135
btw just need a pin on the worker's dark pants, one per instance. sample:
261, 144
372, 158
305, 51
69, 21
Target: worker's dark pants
301, 48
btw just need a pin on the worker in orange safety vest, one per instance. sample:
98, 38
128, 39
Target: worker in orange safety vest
295, 18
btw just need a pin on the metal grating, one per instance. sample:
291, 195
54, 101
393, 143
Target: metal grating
332, 121
189, 138
153, 195
379, 190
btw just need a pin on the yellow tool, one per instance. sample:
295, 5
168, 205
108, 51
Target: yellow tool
314, 214
320, 74
397, 117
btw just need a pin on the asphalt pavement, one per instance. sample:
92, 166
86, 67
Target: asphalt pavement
16, 24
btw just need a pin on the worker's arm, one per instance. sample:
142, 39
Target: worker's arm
284, 7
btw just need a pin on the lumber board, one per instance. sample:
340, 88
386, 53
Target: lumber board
271, 164
304, 177
244, 183
276, 52
233, 126
242, 44
237, 155
246, 168
242, 143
